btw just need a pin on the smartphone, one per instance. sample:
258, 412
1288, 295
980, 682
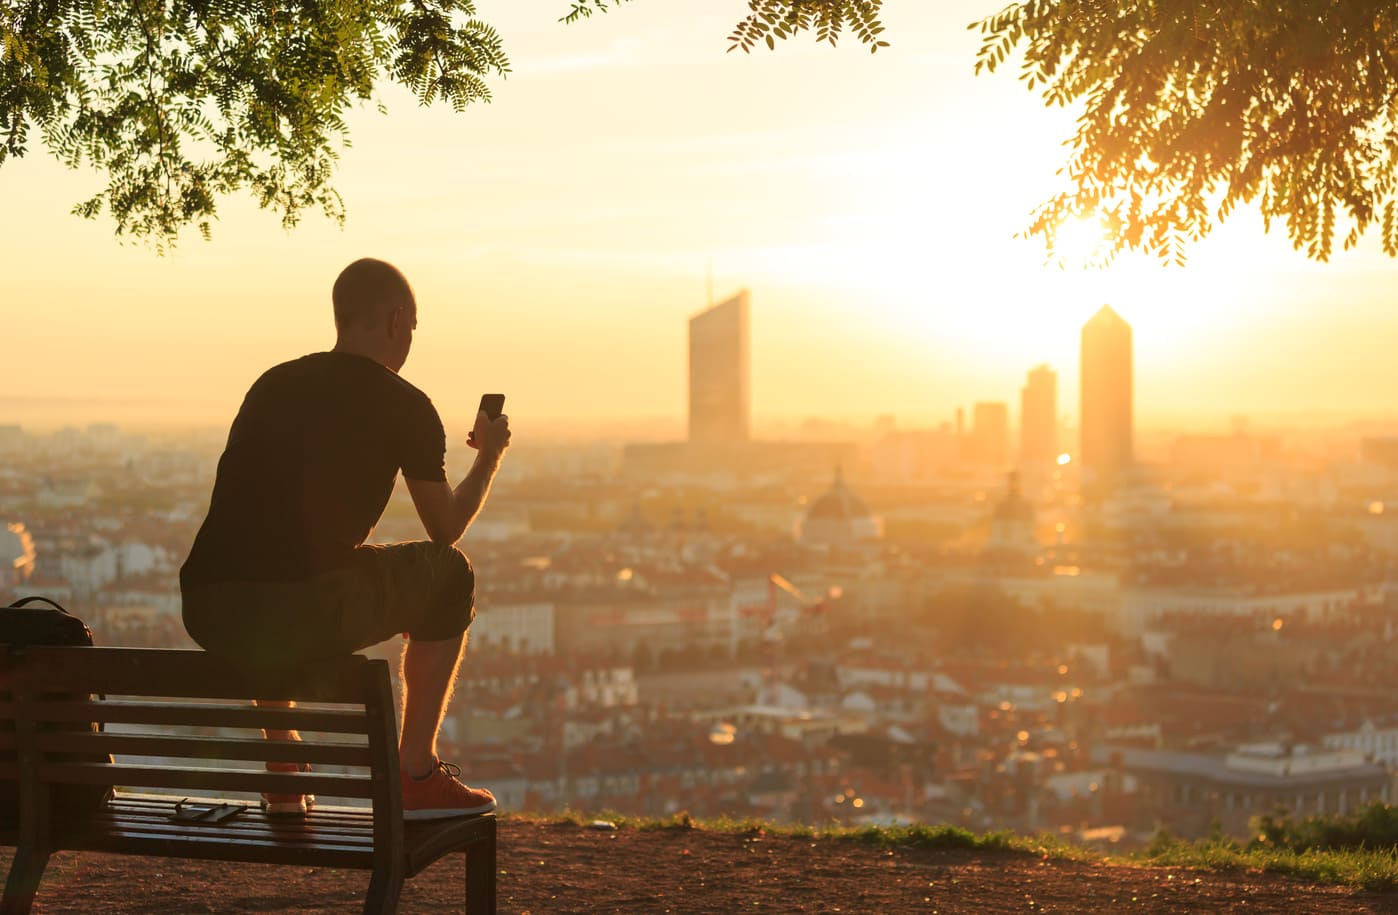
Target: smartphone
492, 405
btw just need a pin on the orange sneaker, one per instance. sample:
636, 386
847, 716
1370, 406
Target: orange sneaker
442, 795
288, 805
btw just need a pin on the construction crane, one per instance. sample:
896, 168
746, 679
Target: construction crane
777, 623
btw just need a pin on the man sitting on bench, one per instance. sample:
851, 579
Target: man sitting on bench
280, 573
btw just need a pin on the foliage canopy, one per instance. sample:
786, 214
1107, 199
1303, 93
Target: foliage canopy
179, 102
1191, 107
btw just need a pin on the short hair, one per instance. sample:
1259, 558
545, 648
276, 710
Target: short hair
367, 289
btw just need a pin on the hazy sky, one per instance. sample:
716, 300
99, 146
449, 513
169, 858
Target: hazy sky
558, 239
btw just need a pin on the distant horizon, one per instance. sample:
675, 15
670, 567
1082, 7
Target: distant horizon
48, 414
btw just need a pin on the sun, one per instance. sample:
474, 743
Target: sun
932, 266
1081, 242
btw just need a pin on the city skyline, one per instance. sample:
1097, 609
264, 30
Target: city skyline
532, 268
720, 403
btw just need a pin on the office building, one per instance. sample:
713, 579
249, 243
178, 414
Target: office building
1038, 418
990, 434
1106, 449
719, 398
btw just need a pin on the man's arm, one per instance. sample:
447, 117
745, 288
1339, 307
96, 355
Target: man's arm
446, 513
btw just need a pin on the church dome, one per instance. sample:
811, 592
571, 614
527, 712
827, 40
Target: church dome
839, 516
1014, 507
838, 503
1012, 524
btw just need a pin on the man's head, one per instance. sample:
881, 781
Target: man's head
375, 312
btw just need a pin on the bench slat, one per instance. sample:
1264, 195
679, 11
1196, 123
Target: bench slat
250, 823
206, 779
193, 714
163, 804
126, 828
255, 749
219, 849
195, 674
143, 820
192, 835
324, 816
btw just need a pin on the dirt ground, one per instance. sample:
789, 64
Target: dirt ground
565, 868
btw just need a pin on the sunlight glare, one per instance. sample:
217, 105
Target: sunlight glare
1081, 242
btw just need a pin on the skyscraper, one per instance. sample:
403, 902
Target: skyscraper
718, 373
1106, 448
1038, 418
990, 434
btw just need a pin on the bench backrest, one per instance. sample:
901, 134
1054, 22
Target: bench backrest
169, 709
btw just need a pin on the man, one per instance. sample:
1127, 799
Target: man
280, 574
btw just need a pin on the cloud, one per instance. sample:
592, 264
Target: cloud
617, 54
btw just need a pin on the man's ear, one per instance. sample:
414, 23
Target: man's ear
397, 315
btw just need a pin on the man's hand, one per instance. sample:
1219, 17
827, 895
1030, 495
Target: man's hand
491, 436
447, 512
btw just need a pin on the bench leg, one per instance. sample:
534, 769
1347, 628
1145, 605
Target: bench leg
480, 876
26, 871
384, 888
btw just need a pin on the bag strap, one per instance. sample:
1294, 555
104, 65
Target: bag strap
25, 601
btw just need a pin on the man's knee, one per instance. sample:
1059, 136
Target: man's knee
459, 579
454, 601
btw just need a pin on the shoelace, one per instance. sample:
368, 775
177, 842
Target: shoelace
452, 770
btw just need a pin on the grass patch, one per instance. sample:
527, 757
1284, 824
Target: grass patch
916, 835
1360, 861
1361, 868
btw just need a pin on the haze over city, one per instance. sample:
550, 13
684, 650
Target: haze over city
822, 497
870, 204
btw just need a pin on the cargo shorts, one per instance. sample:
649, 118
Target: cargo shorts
421, 589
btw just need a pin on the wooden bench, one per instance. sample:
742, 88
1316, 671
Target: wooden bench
167, 715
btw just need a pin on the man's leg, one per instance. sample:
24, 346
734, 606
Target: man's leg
428, 591
277, 803
277, 733
431, 789
429, 674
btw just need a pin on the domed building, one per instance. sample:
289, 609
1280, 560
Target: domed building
839, 518
16, 554
1012, 526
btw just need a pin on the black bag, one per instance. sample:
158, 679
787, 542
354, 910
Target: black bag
22, 625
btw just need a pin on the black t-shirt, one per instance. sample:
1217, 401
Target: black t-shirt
309, 467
